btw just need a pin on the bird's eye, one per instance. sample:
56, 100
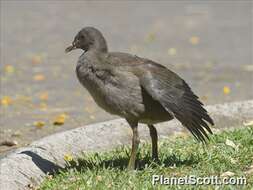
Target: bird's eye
82, 37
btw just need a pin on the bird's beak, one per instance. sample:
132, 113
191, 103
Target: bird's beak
70, 48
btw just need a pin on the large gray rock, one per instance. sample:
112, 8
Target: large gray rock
30, 164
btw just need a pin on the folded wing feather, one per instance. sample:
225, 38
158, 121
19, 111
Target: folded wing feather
177, 98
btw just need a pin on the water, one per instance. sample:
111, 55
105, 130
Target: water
209, 45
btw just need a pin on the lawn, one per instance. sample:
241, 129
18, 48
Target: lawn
227, 154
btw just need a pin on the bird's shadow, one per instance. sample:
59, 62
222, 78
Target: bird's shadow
121, 162
43, 164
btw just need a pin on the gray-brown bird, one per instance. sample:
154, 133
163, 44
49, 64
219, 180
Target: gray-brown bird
137, 89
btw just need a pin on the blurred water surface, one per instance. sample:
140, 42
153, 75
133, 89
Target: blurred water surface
209, 44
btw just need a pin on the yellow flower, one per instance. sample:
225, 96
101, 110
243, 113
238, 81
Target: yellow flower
9, 69
6, 100
60, 119
194, 40
39, 124
39, 77
226, 90
68, 157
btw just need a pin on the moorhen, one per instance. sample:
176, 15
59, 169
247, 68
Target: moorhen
137, 89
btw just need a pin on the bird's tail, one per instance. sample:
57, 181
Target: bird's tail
193, 115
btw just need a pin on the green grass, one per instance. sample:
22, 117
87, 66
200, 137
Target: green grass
179, 157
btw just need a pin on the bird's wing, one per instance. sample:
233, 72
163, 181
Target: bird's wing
176, 97
124, 59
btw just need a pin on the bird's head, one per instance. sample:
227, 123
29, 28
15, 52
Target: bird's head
88, 38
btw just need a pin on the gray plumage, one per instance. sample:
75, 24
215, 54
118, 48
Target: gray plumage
137, 89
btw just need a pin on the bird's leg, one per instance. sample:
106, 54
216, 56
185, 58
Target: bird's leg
154, 138
135, 144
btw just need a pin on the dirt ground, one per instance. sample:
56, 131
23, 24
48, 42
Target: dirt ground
208, 44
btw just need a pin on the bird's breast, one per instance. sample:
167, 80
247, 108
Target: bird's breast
119, 95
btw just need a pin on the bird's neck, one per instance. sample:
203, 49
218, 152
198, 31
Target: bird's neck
99, 45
